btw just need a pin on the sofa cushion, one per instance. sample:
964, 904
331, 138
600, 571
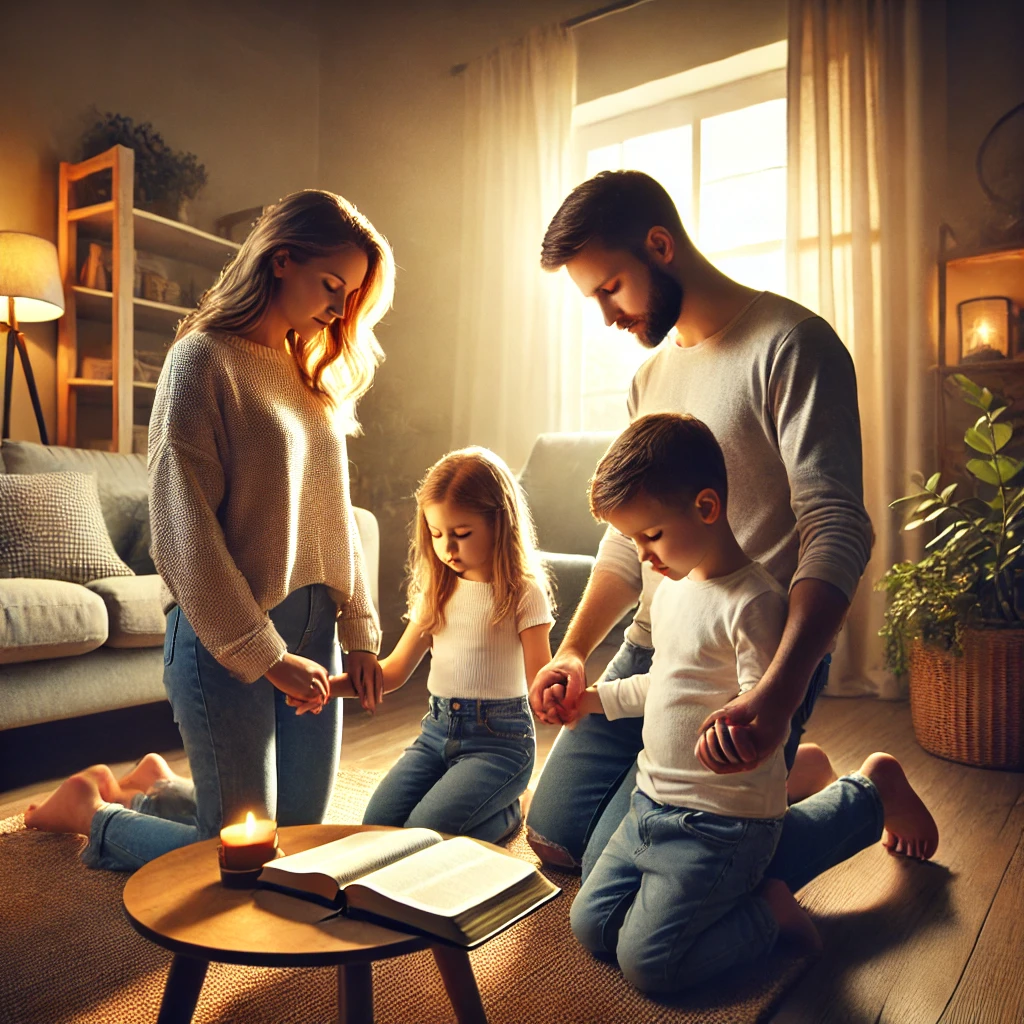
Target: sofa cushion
51, 528
42, 619
555, 480
134, 612
123, 486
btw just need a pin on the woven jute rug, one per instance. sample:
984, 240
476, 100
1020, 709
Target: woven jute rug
68, 954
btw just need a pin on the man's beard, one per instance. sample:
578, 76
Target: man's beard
663, 307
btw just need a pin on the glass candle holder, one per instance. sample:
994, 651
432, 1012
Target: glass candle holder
244, 849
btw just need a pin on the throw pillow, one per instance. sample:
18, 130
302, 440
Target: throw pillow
52, 528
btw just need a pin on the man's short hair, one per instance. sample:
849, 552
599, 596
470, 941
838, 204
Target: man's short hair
668, 456
614, 208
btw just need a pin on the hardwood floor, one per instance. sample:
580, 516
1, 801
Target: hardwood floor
905, 943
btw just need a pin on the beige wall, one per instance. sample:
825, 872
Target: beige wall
234, 81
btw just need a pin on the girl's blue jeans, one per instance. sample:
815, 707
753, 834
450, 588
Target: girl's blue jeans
247, 750
465, 771
671, 896
584, 791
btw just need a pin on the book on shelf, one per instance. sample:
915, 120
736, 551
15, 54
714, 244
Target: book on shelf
459, 890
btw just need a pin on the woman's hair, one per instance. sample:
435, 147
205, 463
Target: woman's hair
478, 480
339, 362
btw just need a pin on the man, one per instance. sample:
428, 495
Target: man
777, 388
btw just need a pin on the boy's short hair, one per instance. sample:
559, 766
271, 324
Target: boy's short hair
614, 208
668, 456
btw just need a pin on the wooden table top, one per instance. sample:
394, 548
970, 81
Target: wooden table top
178, 902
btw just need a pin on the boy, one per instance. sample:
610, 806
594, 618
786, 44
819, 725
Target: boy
678, 893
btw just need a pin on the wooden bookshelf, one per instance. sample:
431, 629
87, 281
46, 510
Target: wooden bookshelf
127, 230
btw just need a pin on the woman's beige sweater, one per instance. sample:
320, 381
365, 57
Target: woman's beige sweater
249, 500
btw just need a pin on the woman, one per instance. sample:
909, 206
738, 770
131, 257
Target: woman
254, 536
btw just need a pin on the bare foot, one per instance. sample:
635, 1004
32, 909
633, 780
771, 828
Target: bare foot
69, 808
909, 827
105, 781
795, 925
150, 769
810, 774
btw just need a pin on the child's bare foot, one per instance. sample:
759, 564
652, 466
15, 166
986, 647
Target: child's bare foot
795, 924
810, 774
909, 827
69, 808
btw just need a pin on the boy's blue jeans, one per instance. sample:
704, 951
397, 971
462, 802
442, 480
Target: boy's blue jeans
584, 791
247, 750
465, 771
671, 896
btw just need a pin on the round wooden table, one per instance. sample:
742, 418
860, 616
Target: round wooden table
178, 902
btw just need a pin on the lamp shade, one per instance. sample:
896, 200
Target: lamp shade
29, 273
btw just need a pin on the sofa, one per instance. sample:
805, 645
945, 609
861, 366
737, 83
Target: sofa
68, 649
555, 480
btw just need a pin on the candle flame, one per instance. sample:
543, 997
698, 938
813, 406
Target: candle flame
250, 824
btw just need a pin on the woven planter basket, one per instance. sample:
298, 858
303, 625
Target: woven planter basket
970, 709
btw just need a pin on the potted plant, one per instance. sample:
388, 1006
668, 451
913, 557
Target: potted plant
955, 617
165, 180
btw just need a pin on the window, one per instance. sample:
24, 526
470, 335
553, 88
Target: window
717, 142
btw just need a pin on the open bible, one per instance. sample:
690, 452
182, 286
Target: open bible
457, 889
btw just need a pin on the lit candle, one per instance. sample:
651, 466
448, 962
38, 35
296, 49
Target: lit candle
249, 845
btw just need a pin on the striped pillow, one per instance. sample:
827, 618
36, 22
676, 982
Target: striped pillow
52, 528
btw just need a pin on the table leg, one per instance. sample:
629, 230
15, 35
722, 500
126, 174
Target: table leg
181, 993
355, 994
457, 975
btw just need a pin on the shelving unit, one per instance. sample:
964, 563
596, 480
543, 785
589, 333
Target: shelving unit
127, 230
966, 275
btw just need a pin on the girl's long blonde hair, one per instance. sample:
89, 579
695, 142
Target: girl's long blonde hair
337, 364
478, 480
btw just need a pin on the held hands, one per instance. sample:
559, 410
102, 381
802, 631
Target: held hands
366, 678
741, 735
301, 680
556, 690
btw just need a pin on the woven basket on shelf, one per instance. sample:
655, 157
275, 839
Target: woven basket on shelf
970, 709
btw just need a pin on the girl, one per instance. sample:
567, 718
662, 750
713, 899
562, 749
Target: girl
479, 602
254, 536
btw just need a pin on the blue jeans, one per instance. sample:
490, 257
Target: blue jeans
671, 897
465, 771
247, 750
584, 791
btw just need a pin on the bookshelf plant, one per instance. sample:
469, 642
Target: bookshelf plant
111, 338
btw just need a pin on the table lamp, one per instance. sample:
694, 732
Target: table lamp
31, 292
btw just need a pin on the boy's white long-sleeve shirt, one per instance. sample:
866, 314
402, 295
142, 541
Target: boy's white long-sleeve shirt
712, 641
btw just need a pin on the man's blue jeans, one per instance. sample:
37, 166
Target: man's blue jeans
465, 771
247, 750
584, 791
671, 896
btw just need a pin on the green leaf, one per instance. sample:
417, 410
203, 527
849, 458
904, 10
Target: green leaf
994, 414
932, 482
945, 532
984, 470
1008, 468
1001, 432
978, 441
927, 505
966, 384
909, 497
947, 492
935, 513
914, 524
986, 399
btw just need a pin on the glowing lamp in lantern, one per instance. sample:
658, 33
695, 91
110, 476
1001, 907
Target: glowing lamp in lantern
985, 326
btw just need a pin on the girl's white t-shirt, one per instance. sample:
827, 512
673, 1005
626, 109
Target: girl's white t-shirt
473, 659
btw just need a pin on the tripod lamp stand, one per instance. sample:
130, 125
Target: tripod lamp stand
31, 292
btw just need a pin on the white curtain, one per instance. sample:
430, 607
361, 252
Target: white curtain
516, 363
858, 256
